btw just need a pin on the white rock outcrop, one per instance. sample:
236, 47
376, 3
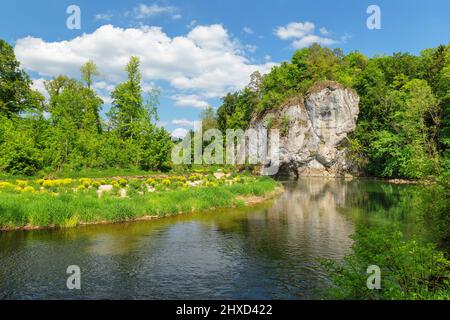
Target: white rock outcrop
314, 142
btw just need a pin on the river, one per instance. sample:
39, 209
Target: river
269, 251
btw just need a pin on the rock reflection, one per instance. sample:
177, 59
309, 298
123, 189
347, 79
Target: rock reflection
310, 208
263, 252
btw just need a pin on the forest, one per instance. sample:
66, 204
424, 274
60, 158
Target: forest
67, 133
403, 125
402, 130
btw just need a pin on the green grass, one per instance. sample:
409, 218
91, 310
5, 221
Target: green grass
99, 173
115, 172
18, 210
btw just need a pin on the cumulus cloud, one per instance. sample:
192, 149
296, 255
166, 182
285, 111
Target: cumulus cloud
179, 133
103, 85
191, 100
302, 34
324, 31
192, 24
248, 30
207, 61
308, 40
38, 85
106, 99
294, 30
183, 122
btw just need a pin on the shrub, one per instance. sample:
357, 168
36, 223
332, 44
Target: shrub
410, 269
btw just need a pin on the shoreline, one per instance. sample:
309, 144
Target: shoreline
249, 201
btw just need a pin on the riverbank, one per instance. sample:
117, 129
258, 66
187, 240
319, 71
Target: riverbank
30, 205
411, 248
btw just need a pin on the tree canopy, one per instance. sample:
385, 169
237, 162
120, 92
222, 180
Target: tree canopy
72, 134
403, 125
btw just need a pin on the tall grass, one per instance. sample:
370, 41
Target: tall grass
18, 210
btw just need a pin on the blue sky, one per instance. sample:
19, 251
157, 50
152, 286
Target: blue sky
195, 51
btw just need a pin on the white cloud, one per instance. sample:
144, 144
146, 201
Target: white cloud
192, 24
183, 122
106, 99
103, 85
190, 101
248, 30
303, 34
295, 30
250, 48
206, 61
324, 31
177, 16
143, 11
103, 17
179, 133
311, 39
38, 85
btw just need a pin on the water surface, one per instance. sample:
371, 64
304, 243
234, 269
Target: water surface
264, 252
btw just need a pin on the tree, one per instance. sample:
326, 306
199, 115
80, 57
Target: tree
93, 103
16, 94
74, 114
71, 102
128, 107
20, 153
208, 118
88, 72
157, 147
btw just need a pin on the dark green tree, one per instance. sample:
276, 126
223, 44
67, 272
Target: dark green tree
16, 94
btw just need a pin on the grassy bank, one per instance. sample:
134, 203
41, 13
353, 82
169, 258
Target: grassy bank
68, 203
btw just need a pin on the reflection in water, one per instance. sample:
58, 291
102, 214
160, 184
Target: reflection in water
263, 252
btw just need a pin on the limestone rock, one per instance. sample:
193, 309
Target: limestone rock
314, 143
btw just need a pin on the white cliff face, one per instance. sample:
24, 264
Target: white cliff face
317, 129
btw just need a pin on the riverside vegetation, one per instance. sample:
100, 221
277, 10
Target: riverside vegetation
403, 131
30, 204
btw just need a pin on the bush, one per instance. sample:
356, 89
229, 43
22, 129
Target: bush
409, 269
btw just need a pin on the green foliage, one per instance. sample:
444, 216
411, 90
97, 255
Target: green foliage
435, 209
237, 109
403, 128
19, 155
72, 137
399, 120
284, 125
128, 108
15, 92
406, 234
88, 72
409, 269
208, 118
156, 149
